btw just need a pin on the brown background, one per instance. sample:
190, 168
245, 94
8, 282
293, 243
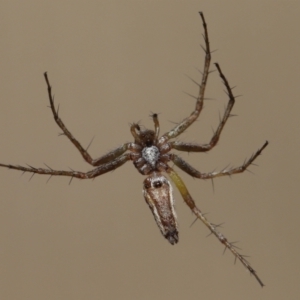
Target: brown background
110, 64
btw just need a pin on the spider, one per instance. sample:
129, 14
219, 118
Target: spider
151, 154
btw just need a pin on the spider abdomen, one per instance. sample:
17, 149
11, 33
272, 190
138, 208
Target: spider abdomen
158, 194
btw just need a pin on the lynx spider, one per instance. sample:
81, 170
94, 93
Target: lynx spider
150, 154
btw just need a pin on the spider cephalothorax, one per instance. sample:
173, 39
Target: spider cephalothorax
150, 155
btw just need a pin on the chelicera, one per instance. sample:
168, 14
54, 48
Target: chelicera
151, 156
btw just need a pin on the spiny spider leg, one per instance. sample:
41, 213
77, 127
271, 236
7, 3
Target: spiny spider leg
94, 162
213, 228
192, 147
183, 165
104, 168
181, 127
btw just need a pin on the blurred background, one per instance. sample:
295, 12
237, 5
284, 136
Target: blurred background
112, 63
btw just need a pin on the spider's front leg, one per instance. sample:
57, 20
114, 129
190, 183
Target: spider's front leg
104, 168
213, 228
183, 165
94, 162
192, 147
181, 127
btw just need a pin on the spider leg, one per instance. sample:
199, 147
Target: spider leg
94, 162
181, 127
192, 147
213, 228
183, 165
110, 156
104, 168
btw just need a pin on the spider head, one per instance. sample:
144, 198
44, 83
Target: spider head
145, 138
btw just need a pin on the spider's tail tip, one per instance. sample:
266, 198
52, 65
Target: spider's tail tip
172, 236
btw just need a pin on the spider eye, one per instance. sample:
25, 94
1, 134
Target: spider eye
157, 184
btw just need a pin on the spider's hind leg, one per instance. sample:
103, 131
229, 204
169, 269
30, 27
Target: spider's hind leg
213, 228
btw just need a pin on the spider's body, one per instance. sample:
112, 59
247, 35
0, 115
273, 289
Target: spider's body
150, 157
151, 154
147, 155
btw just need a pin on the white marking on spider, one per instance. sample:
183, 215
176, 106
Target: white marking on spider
151, 155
